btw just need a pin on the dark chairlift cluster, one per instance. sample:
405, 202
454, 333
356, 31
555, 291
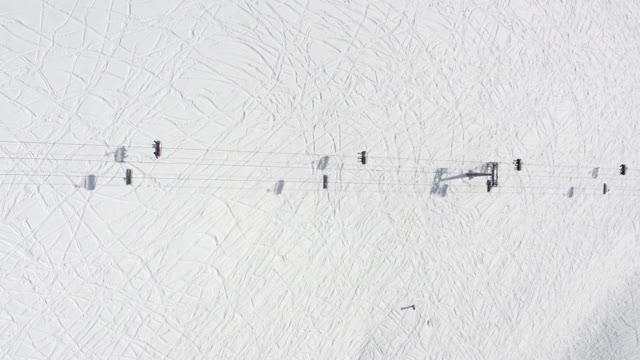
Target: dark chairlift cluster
518, 164
623, 171
157, 148
157, 151
127, 177
362, 157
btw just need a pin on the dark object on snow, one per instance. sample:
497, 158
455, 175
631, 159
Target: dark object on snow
325, 181
594, 173
408, 307
90, 182
493, 182
494, 174
605, 189
157, 151
127, 177
278, 188
518, 164
363, 157
570, 192
623, 169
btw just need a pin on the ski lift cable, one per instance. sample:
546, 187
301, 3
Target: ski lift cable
180, 175
262, 189
210, 183
269, 164
462, 161
53, 143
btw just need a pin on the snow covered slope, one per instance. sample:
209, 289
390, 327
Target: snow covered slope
227, 247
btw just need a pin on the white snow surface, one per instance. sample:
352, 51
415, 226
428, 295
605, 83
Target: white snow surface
203, 257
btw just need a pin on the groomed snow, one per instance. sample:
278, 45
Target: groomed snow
207, 256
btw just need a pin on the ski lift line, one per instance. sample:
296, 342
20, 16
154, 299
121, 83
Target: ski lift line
386, 157
294, 180
103, 158
179, 177
243, 163
424, 171
164, 147
580, 177
346, 183
298, 154
69, 144
165, 163
262, 189
526, 163
56, 159
106, 157
314, 154
257, 182
327, 154
240, 164
268, 165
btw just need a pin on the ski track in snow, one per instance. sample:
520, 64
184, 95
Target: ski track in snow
201, 259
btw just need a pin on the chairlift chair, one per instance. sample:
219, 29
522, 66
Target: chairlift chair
518, 164
127, 177
363, 157
157, 149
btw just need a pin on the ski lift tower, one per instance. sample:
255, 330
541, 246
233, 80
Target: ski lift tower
491, 172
